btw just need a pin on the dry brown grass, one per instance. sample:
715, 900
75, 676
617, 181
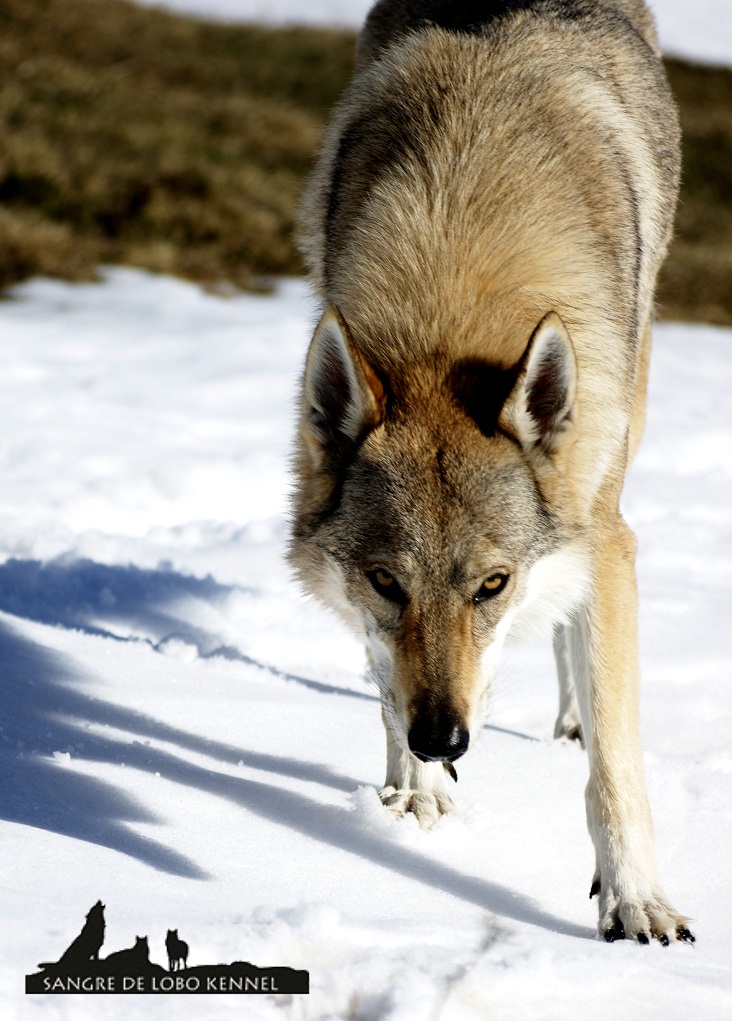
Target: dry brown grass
696, 283
130, 135
134, 136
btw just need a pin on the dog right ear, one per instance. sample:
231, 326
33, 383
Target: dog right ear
541, 407
343, 398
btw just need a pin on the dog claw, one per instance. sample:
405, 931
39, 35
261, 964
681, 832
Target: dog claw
450, 770
642, 920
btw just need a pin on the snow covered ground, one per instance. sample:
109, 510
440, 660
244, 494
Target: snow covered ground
187, 739
699, 30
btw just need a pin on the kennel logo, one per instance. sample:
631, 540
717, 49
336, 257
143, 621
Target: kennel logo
80, 969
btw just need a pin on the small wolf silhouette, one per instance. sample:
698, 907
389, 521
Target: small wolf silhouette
177, 951
87, 944
132, 957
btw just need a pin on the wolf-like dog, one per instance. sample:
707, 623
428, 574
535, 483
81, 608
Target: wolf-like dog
493, 201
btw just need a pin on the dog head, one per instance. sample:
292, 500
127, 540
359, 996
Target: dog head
428, 515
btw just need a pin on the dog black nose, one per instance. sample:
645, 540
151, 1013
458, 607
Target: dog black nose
432, 743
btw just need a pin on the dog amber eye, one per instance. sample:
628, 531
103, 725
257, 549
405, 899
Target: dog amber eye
386, 585
494, 584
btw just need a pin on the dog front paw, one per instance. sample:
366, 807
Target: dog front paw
427, 806
641, 919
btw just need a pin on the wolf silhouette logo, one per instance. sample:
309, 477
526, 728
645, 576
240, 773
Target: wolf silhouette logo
177, 951
87, 944
132, 958
80, 969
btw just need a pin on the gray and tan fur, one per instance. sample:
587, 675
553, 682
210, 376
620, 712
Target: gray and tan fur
492, 204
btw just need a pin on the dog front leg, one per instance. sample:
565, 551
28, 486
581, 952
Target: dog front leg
422, 788
568, 725
605, 659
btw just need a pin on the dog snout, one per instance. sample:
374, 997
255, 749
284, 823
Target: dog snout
437, 739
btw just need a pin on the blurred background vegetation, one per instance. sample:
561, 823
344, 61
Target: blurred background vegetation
135, 136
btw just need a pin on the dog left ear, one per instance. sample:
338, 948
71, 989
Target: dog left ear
540, 407
343, 397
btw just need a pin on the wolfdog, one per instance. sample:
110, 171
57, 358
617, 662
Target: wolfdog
493, 201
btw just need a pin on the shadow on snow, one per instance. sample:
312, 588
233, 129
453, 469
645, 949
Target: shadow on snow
47, 713
129, 604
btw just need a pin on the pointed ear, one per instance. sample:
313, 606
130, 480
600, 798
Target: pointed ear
343, 397
540, 409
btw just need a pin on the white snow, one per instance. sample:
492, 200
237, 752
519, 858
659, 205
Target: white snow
189, 740
699, 31
349, 13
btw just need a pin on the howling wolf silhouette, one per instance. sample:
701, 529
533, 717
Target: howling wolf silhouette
86, 945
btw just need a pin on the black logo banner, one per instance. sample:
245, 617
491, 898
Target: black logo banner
80, 969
